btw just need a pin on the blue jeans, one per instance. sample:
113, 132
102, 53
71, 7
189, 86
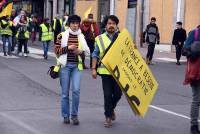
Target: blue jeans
46, 47
4, 39
67, 74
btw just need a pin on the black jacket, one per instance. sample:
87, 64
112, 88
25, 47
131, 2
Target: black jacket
179, 36
148, 33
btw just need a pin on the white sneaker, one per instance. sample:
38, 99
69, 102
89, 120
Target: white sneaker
20, 54
25, 55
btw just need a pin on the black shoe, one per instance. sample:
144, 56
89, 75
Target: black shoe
178, 63
75, 121
5, 54
66, 120
194, 129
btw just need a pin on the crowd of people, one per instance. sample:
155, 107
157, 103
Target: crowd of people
74, 39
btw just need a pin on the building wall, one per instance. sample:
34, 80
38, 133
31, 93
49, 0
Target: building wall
82, 6
192, 14
163, 11
121, 12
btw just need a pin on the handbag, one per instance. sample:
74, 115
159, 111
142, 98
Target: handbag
192, 72
53, 71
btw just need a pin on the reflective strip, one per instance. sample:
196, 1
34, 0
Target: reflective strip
102, 43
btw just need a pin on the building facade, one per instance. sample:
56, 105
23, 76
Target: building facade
168, 12
30, 6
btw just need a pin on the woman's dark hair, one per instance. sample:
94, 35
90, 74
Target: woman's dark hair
113, 18
25, 18
74, 18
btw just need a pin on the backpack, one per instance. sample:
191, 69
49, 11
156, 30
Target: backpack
152, 34
193, 52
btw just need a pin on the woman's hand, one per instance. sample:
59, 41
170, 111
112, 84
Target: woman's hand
72, 47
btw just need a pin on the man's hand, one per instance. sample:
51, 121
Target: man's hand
94, 73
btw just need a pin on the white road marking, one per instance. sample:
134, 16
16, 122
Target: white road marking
41, 52
169, 112
20, 123
169, 59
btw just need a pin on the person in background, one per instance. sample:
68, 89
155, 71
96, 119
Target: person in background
179, 38
45, 36
34, 27
152, 37
14, 31
23, 31
65, 19
91, 30
57, 26
6, 33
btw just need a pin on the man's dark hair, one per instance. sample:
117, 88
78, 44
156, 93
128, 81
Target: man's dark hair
153, 18
179, 23
74, 18
113, 18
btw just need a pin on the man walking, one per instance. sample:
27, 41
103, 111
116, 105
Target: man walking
111, 90
6, 33
178, 40
46, 35
152, 37
57, 26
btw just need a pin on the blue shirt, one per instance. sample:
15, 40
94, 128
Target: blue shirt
96, 51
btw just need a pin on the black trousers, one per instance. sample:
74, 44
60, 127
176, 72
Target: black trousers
112, 94
178, 52
13, 42
150, 51
91, 47
22, 42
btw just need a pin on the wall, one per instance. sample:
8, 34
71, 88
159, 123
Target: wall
163, 11
192, 14
82, 6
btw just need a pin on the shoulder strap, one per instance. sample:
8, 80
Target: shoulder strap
196, 34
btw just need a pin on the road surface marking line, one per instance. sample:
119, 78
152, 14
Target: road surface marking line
20, 123
169, 112
169, 59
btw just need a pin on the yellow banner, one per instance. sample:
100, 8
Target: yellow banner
7, 10
127, 66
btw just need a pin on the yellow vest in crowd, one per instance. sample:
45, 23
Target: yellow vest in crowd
7, 30
54, 23
26, 34
46, 35
103, 43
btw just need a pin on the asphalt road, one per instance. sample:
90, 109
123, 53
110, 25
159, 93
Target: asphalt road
30, 100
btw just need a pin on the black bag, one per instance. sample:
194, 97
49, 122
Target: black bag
54, 72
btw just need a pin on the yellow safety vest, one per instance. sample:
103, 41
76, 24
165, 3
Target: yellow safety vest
7, 30
80, 62
54, 23
46, 35
26, 34
103, 43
